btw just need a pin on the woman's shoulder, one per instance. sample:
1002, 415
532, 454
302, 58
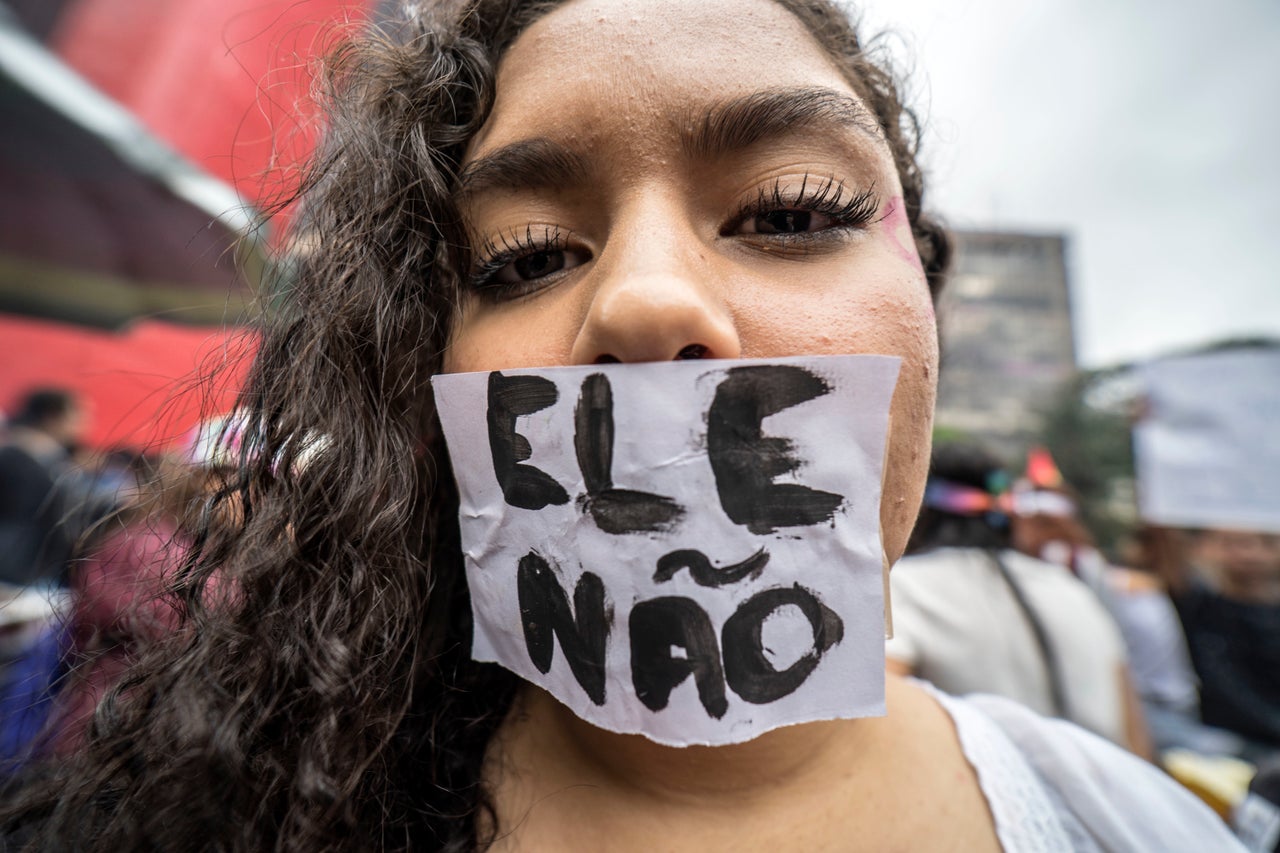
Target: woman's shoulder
1066, 783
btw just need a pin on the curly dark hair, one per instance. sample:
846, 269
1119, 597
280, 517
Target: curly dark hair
329, 702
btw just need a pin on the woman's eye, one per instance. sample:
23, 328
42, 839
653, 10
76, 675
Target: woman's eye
786, 222
819, 210
531, 266
536, 265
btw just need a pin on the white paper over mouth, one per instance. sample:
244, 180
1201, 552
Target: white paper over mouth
689, 550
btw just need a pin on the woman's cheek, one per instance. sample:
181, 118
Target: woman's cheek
906, 463
911, 334
537, 332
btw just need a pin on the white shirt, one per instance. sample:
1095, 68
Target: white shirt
1054, 788
957, 624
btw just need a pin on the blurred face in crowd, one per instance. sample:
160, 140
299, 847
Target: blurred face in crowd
1240, 562
68, 427
701, 181
1032, 533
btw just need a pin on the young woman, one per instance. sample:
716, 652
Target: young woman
517, 184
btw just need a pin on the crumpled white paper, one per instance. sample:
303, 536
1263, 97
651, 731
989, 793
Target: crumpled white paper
689, 551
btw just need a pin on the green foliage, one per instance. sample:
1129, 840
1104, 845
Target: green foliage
948, 435
1094, 451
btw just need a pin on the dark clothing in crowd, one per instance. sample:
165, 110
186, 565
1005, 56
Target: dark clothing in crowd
1235, 647
45, 506
34, 544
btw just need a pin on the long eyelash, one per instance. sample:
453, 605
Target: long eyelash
497, 252
826, 197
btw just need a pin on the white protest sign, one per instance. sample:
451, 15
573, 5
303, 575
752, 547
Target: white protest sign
687, 550
1208, 449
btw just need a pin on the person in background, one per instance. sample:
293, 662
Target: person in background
46, 505
1230, 612
973, 615
1240, 565
1047, 525
46, 502
118, 602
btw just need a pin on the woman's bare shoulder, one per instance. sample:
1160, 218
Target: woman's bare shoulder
948, 806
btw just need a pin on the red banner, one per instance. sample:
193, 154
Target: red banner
145, 388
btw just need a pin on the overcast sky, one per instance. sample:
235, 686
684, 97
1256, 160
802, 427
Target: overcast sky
1148, 132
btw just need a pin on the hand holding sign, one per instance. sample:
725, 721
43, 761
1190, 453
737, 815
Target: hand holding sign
687, 550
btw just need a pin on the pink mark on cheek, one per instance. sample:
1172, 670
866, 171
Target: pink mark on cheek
897, 230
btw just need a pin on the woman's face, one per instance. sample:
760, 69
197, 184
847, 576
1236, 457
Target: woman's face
675, 179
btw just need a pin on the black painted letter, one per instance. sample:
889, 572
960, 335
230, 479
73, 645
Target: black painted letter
747, 670
544, 611
706, 574
510, 397
614, 510
746, 463
659, 624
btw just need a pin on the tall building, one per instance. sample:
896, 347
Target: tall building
1007, 342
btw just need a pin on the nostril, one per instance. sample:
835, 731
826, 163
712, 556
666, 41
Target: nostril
692, 351
607, 359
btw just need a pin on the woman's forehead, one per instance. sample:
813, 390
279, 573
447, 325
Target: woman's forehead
610, 61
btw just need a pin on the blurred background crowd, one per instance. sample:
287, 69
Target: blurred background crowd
1100, 542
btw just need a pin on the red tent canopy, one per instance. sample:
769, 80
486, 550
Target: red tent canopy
226, 82
146, 387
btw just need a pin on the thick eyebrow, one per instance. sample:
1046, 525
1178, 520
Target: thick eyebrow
731, 126
527, 164
774, 113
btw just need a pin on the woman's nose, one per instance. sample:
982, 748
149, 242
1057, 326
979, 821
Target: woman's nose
657, 308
